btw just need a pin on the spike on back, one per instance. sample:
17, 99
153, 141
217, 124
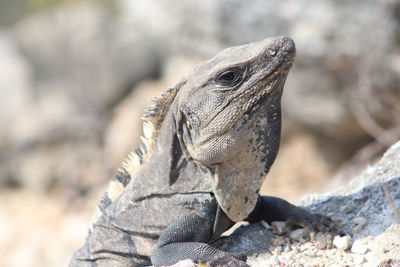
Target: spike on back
152, 118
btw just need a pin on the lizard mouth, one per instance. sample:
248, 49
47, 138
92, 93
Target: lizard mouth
230, 137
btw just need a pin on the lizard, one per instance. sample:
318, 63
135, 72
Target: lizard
207, 145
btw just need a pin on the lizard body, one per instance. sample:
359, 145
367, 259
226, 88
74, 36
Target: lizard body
208, 144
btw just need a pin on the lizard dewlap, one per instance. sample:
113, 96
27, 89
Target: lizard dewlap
208, 144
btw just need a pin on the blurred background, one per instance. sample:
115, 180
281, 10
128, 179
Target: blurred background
75, 76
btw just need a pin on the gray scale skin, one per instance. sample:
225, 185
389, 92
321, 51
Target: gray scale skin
217, 142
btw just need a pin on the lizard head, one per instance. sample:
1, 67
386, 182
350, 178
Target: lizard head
229, 118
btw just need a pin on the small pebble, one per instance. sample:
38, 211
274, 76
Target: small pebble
359, 247
342, 242
266, 225
298, 234
278, 241
321, 240
279, 227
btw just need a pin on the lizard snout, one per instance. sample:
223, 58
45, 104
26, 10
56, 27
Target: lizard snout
288, 44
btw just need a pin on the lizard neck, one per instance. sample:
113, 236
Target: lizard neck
165, 169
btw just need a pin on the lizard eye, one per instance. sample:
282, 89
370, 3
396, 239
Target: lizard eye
230, 77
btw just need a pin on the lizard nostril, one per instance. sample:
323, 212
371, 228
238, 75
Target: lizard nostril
271, 51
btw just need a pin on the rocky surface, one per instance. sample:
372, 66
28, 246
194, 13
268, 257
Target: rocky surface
367, 209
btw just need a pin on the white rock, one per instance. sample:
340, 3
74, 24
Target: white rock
342, 242
359, 247
266, 225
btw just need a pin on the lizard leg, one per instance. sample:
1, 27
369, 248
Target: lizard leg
187, 239
276, 209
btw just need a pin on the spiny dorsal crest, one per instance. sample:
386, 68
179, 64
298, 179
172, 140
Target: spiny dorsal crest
152, 118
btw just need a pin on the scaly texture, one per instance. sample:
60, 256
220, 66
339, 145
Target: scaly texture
208, 144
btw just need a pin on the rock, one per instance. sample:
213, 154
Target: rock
321, 240
266, 225
359, 247
279, 227
386, 246
278, 241
342, 242
298, 234
365, 193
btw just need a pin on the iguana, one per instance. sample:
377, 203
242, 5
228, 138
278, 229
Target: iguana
208, 144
